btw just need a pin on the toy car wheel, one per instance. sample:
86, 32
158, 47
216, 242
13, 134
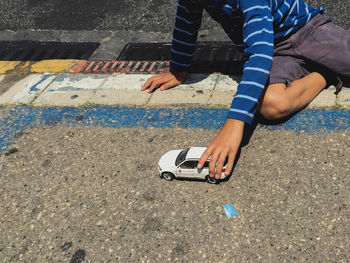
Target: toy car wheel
168, 176
211, 180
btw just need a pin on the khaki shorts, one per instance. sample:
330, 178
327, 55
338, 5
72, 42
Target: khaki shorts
320, 46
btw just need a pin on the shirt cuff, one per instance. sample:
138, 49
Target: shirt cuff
240, 115
176, 67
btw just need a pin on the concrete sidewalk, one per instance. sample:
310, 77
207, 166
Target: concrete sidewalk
65, 89
60, 82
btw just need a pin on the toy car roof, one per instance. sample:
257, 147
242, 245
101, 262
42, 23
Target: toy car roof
195, 152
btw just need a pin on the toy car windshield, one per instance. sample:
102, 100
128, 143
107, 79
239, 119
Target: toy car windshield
181, 157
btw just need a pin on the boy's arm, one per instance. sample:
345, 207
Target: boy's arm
258, 40
187, 23
258, 37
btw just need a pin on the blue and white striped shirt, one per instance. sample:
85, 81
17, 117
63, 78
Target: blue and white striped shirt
256, 24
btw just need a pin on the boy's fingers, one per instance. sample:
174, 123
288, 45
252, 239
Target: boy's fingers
147, 83
165, 80
220, 164
212, 164
160, 81
204, 158
229, 166
168, 85
155, 84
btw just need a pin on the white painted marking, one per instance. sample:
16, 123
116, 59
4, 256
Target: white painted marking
25, 90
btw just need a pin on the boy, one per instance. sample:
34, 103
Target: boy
291, 49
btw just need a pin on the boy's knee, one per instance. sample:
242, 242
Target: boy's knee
275, 105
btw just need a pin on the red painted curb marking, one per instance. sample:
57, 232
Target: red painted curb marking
109, 67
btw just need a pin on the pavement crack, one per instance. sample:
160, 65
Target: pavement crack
213, 89
42, 91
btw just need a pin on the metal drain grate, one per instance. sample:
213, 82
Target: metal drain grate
209, 57
109, 67
35, 51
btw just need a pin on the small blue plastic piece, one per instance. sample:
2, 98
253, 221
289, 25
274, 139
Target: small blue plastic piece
230, 211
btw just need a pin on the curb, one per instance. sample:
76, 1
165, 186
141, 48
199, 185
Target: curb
115, 100
76, 90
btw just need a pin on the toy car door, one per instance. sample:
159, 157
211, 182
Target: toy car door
186, 169
202, 173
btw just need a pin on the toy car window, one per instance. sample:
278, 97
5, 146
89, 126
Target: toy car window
206, 164
188, 165
181, 157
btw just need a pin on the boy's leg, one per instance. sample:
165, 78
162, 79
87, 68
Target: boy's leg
292, 86
280, 101
321, 48
326, 44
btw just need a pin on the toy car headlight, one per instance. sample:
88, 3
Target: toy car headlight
159, 168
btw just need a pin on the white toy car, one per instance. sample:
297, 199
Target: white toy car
183, 164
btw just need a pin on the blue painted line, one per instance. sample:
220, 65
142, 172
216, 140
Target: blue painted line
316, 121
162, 118
57, 116
203, 118
24, 117
114, 117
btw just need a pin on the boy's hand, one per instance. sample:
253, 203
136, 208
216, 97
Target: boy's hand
226, 143
164, 80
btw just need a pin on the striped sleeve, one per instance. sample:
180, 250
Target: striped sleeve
258, 37
187, 23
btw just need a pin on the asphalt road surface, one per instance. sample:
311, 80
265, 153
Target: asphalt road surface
93, 194
132, 15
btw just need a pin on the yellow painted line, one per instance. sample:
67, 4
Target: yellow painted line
45, 66
7, 67
53, 65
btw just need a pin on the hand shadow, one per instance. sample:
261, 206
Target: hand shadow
249, 131
247, 134
190, 79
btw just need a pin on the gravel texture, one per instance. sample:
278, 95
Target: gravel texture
93, 194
